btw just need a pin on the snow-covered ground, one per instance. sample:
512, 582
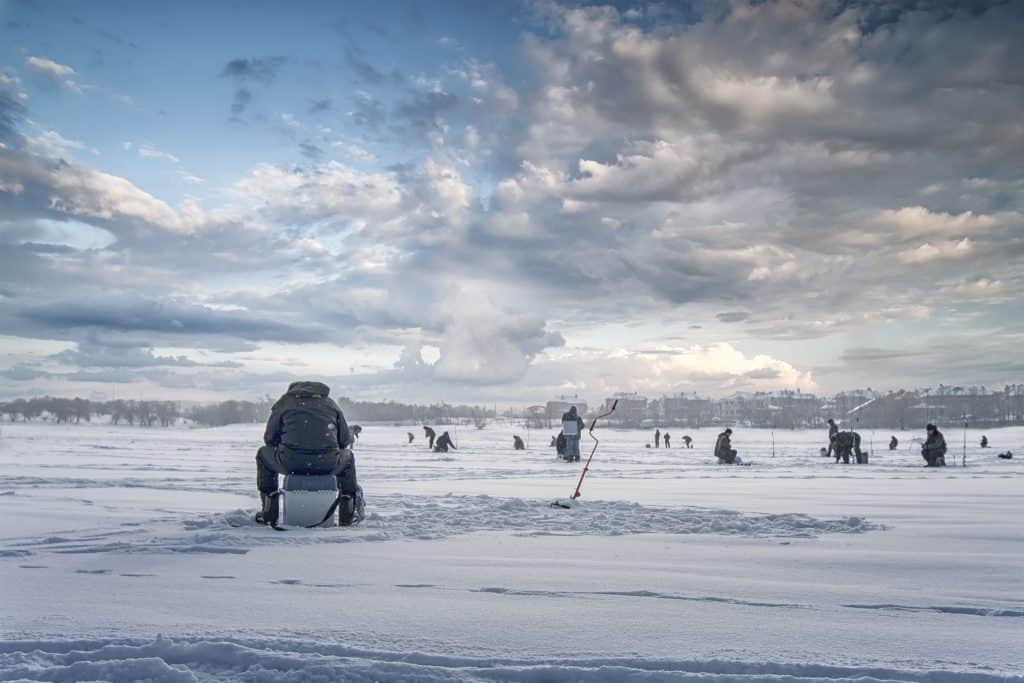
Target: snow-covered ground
129, 554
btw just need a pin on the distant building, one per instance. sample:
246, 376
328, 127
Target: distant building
555, 408
631, 410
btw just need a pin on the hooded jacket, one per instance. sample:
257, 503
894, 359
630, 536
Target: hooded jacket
307, 421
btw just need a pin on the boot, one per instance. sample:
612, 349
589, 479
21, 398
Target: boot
268, 510
346, 510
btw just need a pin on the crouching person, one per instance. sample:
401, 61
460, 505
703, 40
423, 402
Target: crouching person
847, 445
306, 435
934, 449
724, 451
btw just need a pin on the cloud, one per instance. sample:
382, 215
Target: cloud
732, 316
150, 152
241, 101
263, 69
944, 251
55, 73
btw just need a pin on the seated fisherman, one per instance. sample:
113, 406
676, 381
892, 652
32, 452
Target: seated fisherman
846, 444
307, 435
723, 448
517, 443
934, 449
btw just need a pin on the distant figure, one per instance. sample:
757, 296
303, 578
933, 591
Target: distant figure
667, 440
934, 449
688, 441
724, 450
429, 434
984, 441
572, 427
1008, 455
847, 444
894, 443
517, 443
554, 442
444, 443
657, 438
823, 452
833, 429
356, 431
561, 444
411, 437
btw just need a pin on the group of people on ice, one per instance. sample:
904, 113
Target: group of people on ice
846, 445
307, 436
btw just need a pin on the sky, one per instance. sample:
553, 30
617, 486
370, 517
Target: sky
505, 202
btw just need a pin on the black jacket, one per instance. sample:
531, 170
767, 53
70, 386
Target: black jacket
935, 445
306, 421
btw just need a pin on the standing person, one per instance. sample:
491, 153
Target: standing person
833, 430
688, 441
894, 443
847, 444
657, 438
444, 443
934, 449
667, 440
572, 428
723, 448
306, 434
429, 434
518, 444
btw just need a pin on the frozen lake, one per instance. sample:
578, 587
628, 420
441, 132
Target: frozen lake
130, 553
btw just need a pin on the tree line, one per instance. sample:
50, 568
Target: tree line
167, 413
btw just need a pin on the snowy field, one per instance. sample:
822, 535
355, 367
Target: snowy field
130, 554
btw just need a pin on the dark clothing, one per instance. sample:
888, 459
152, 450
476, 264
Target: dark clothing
305, 421
444, 443
894, 443
934, 449
833, 430
560, 444
272, 461
657, 438
306, 434
430, 435
723, 449
356, 431
984, 442
667, 440
518, 444
411, 437
847, 444
688, 441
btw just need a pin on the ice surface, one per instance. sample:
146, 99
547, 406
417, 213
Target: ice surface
130, 554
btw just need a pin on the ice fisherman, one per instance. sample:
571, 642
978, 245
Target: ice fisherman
517, 443
657, 438
444, 443
833, 429
846, 444
723, 448
560, 444
934, 449
572, 428
894, 443
356, 431
306, 434
429, 434
984, 441
667, 439
410, 435
688, 441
